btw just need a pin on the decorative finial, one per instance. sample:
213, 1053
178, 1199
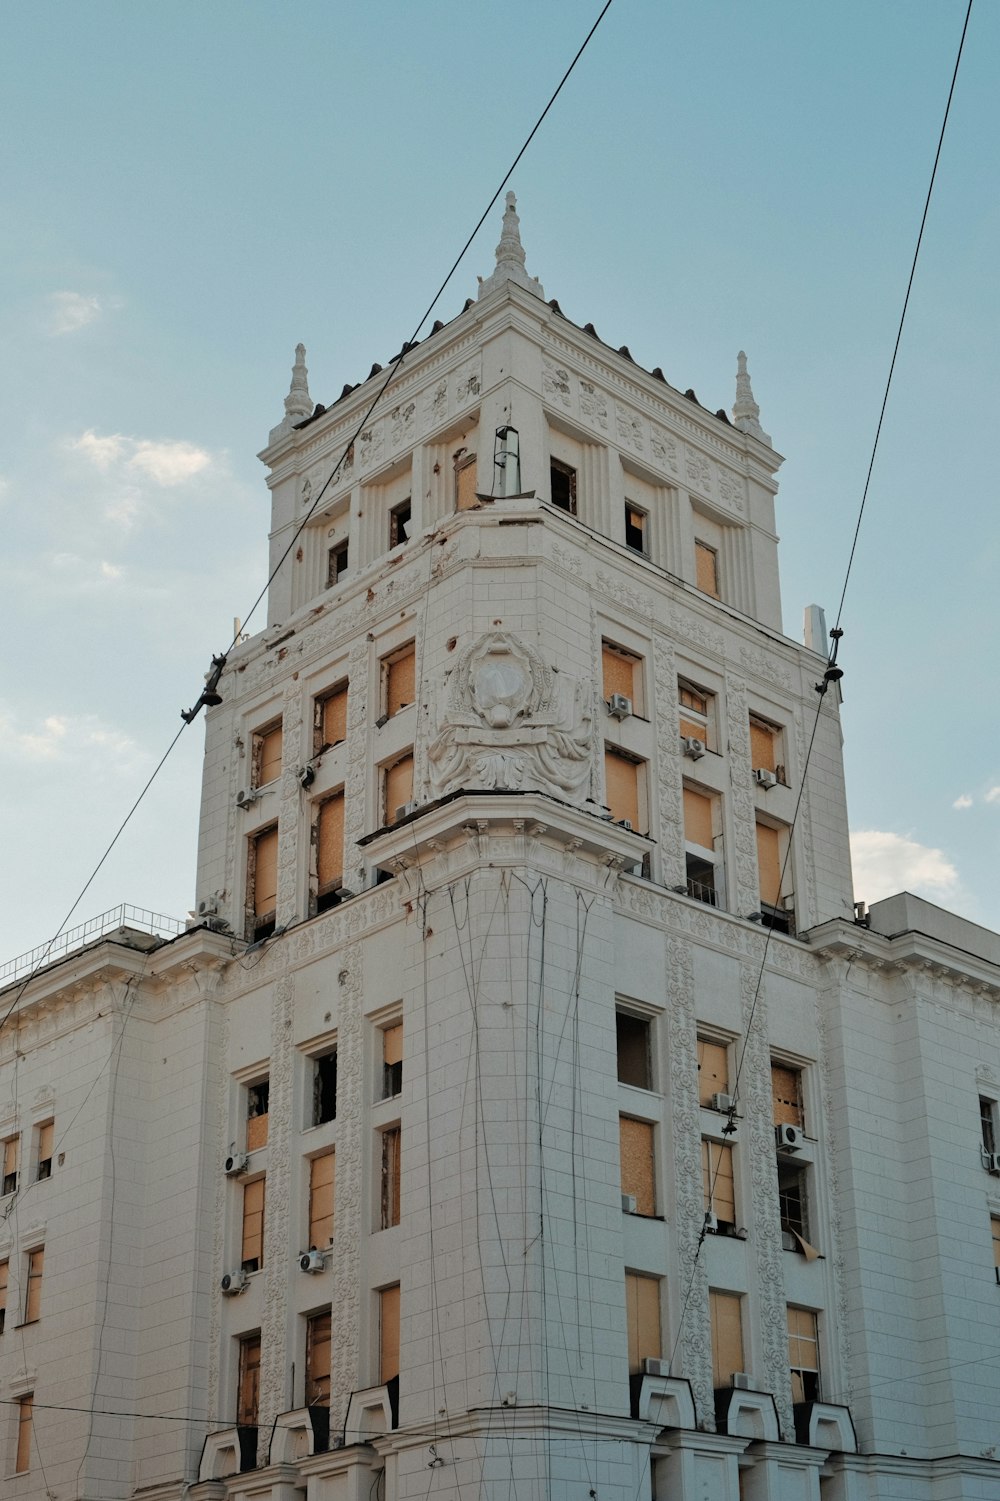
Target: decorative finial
298, 403
510, 257
746, 412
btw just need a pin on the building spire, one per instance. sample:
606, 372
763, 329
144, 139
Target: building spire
298, 402
746, 412
510, 257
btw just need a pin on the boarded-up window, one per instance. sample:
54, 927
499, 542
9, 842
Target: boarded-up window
642, 1313
329, 851
769, 864
388, 1323
633, 1035
727, 1335
330, 719
698, 819
713, 1070
258, 1098
33, 1298
318, 1360
324, 1082
248, 1381
22, 1462
786, 1093
717, 1180
465, 483
392, 1060
398, 787
266, 756
621, 776
803, 1354
638, 1172
11, 1152
46, 1135
253, 1226
763, 745
399, 681
694, 711
618, 671
321, 1189
4, 1276
706, 569
263, 881
635, 528
390, 1177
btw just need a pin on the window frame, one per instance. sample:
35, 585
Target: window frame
320, 702
337, 562
703, 549
11, 1164
464, 462
34, 1267
388, 815
25, 1433
633, 510
812, 1338
325, 894
718, 1299
44, 1139
257, 1092
316, 1217
390, 1179
258, 765
702, 720
643, 1331
316, 1086
314, 1339
247, 1376
701, 860
246, 1217
776, 734
616, 753
988, 1124
391, 1071
625, 1013
569, 474
260, 924
780, 915
400, 521
389, 1302
633, 663
637, 1161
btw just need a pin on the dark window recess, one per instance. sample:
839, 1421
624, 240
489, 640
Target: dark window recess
562, 481
635, 528
633, 1050
392, 1079
780, 921
336, 564
399, 523
324, 1089
792, 1200
987, 1124
701, 880
257, 1099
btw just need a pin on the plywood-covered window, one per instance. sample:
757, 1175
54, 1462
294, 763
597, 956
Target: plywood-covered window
465, 482
706, 568
620, 672
330, 718
248, 1381
562, 486
786, 1095
329, 851
803, 1354
25, 1407
252, 1258
642, 1314
765, 746
11, 1154
46, 1138
718, 1184
637, 1162
635, 527
397, 787
322, 1178
703, 870
33, 1296
398, 680
265, 760
994, 1231
262, 883
699, 819
324, 1088
622, 777
258, 1106
4, 1279
634, 1059
726, 1311
388, 1324
391, 1167
713, 1070
769, 864
392, 1060
695, 706
318, 1336
336, 563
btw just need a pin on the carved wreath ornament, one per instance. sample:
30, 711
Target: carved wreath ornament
510, 723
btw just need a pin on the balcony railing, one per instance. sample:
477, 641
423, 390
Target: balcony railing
123, 916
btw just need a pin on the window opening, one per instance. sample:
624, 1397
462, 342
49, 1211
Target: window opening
465, 481
253, 1226
324, 1088
397, 788
792, 1199
706, 562
322, 1182
392, 1060
46, 1132
336, 565
635, 528
33, 1299
388, 1333
10, 1160
774, 913
618, 671
786, 1095
803, 1354
398, 680
4, 1278
634, 1037
248, 1381
329, 852
330, 719
318, 1338
642, 1312
638, 1170
562, 483
399, 523
22, 1462
765, 747
621, 789
262, 883
695, 712
265, 755
391, 1168
726, 1313
258, 1097
987, 1124
718, 1182
703, 873
994, 1230
713, 1071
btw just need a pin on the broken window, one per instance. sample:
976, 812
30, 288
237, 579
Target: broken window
11, 1152
322, 1179
803, 1354
399, 523
324, 1088
390, 1177
793, 1200
258, 1097
633, 1038
718, 1185
638, 1171
398, 680
336, 565
329, 852
252, 1258
392, 1060
562, 483
388, 1322
248, 1381
318, 1337
262, 884
33, 1297
265, 755
642, 1315
46, 1133
726, 1312
635, 527
330, 718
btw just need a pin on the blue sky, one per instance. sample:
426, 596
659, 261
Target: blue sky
190, 189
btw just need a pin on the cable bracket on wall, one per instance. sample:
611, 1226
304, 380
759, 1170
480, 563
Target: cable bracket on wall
210, 695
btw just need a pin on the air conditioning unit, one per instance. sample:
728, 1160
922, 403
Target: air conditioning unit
209, 906
629, 1204
693, 747
237, 1163
993, 1162
711, 1223
247, 796
741, 1381
654, 1367
312, 1261
404, 810
765, 778
787, 1138
619, 706
723, 1102
234, 1282
625, 823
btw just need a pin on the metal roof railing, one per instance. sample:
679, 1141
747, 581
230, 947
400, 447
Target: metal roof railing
123, 916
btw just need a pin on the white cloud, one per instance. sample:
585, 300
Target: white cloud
993, 795
964, 801
886, 863
80, 739
102, 452
71, 311
166, 462
110, 570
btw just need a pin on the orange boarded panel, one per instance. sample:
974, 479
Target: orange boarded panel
389, 1333
318, 1360
769, 864
265, 881
713, 1070
618, 672
398, 787
706, 569
622, 787
269, 758
642, 1309
762, 754
465, 487
334, 726
392, 1044
786, 1095
717, 1180
399, 691
727, 1336
698, 818
253, 1225
330, 842
321, 1188
636, 1148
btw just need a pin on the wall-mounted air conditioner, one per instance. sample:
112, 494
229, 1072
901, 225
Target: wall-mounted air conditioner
312, 1261
236, 1163
693, 747
625, 823
741, 1381
993, 1162
711, 1223
787, 1138
629, 1204
765, 778
234, 1282
209, 906
619, 706
404, 810
655, 1367
247, 796
720, 1101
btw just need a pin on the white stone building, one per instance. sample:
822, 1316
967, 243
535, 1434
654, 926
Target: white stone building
528, 1113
